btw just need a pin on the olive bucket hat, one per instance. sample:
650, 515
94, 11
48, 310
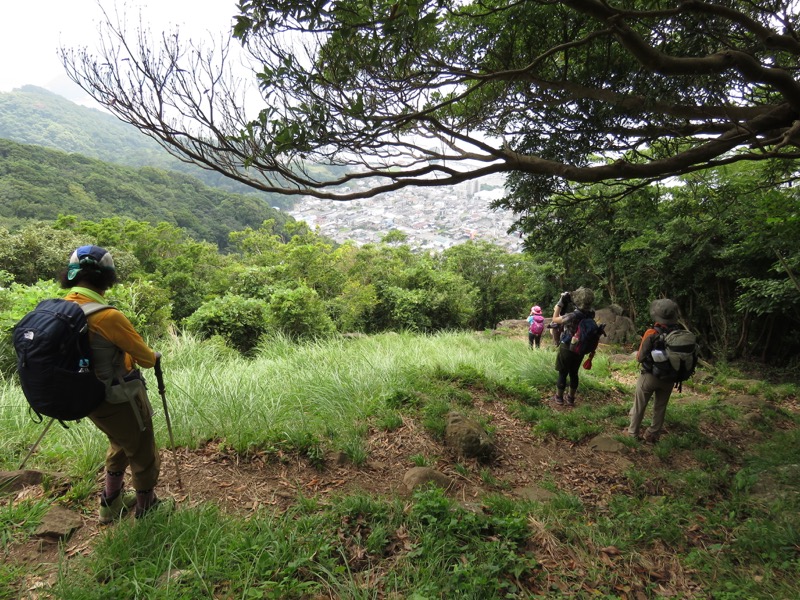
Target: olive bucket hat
583, 298
664, 311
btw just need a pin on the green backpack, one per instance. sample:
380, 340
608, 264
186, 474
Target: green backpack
674, 353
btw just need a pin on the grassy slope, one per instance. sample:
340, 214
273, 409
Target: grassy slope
711, 529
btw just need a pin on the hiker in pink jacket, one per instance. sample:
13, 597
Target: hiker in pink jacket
535, 327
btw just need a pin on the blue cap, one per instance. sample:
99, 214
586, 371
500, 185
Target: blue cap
89, 257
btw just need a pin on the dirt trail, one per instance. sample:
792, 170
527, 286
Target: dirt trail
244, 484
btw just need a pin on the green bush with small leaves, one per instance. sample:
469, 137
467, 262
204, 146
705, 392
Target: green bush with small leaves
299, 313
239, 321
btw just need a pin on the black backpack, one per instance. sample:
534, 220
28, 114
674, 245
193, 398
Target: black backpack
54, 360
674, 354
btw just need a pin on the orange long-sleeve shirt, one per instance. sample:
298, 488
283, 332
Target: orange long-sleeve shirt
117, 329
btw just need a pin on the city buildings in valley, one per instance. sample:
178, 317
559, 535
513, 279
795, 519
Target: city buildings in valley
432, 218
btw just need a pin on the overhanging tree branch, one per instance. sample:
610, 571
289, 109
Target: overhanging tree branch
355, 99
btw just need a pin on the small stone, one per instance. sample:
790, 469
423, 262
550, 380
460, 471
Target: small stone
419, 476
58, 523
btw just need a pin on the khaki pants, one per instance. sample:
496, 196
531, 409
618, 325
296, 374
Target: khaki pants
130, 445
646, 386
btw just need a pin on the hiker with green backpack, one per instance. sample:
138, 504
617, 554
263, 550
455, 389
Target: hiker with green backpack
668, 356
125, 413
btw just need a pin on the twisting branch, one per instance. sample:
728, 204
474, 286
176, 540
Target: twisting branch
351, 100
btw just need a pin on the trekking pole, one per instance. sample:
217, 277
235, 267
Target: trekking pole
36, 443
161, 390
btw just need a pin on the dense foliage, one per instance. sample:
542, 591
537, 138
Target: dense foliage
38, 183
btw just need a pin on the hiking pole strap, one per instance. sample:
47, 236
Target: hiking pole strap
36, 444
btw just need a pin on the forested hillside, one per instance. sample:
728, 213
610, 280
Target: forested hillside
723, 244
32, 115
39, 183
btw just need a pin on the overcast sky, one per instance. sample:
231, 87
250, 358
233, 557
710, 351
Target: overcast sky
31, 33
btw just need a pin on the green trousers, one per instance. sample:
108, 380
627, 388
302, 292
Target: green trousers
130, 445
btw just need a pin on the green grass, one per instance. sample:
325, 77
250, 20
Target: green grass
724, 516
310, 552
18, 520
282, 396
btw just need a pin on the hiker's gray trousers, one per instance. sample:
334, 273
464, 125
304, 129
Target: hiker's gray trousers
646, 386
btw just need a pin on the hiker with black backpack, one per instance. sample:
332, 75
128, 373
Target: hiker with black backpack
575, 342
125, 415
667, 356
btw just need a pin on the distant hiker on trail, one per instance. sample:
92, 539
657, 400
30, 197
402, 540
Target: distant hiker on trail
535, 327
568, 361
657, 380
125, 416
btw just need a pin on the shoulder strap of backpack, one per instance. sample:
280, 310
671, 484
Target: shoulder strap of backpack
92, 307
670, 328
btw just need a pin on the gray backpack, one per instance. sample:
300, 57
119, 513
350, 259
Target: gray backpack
674, 354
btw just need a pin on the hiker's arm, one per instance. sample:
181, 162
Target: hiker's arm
557, 318
557, 314
560, 319
646, 345
117, 329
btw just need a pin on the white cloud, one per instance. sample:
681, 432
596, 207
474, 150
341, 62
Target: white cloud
30, 34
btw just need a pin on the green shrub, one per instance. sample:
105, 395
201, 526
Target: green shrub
239, 321
256, 282
299, 313
352, 307
146, 306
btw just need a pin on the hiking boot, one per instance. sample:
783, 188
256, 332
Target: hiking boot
650, 438
558, 400
115, 508
570, 400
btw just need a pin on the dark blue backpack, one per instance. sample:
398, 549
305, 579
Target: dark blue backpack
587, 335
54, 360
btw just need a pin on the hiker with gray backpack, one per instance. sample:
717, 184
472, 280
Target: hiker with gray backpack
668, 357
78, 357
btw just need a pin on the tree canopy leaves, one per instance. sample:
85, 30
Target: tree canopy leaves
435, 92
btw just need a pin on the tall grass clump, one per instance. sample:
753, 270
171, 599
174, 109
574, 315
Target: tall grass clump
289, 391
320, 386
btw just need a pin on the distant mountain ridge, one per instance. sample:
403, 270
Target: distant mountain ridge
38, 183
33, 115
